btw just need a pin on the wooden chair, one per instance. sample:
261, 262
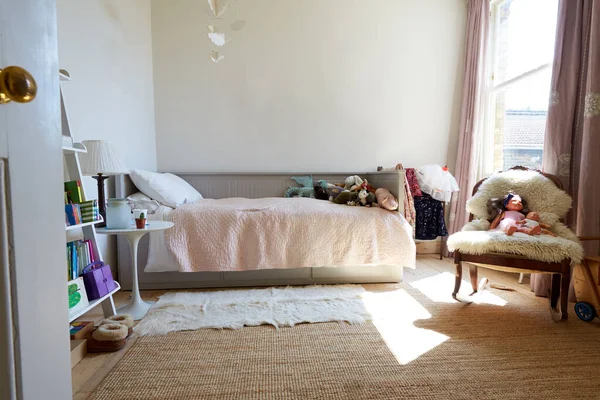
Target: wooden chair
561, 271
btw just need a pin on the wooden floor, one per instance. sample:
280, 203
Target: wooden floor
88, 374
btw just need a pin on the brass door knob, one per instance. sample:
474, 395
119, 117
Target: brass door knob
16, 84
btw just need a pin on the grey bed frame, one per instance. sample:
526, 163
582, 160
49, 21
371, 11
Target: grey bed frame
213, 185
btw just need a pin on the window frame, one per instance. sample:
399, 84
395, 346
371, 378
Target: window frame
492, 87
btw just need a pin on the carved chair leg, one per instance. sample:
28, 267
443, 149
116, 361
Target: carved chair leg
473, 276
457, 279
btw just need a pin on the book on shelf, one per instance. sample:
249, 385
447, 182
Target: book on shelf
72, 214
77, 210
89, 211
80, 254
73, 192
81, 330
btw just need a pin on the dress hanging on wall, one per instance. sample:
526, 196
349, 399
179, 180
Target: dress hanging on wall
430, 186
430, 218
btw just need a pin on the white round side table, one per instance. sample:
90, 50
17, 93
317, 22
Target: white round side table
137, 307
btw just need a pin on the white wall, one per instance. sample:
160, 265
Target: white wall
106, 45
310, 85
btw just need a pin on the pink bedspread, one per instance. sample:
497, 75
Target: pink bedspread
238, 234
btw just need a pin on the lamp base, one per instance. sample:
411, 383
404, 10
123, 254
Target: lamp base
101, 200
103, 223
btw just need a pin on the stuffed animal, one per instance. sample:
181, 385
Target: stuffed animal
367, 186
333, 191
353, 183
295, 191
346, 197
305, 188
321, 193
366, 198
386, 200
304, 180
509, 215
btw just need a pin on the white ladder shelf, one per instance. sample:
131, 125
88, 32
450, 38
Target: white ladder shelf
87, 230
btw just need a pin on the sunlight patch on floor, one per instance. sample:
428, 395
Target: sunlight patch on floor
439, 288
394, 314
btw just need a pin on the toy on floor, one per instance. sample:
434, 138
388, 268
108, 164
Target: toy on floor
532, 219
586, 282
509, 213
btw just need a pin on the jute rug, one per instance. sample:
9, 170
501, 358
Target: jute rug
416, 348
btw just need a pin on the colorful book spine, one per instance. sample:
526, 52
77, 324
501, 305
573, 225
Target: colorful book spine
74, 262
89, 211
91, 251
72, 214
69, 276
80, 254
74, 193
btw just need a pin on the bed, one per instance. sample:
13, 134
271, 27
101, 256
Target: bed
165, 263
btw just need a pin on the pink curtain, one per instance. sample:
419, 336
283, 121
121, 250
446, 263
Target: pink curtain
469, 141
572, 141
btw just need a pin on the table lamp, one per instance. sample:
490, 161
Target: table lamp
100, 162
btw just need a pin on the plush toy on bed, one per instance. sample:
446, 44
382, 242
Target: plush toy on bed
321, 193
366, 198
353, 183
367, 186
509, 215
304, 188
386, 200
327, 191
346, 197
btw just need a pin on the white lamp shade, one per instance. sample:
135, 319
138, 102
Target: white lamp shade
103, 158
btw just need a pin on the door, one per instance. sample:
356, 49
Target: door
34, 343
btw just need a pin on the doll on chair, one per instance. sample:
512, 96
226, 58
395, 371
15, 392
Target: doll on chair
532, 219
510, 212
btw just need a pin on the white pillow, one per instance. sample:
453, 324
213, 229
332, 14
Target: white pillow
140, 200
166, 188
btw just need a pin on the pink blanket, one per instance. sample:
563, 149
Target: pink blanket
238, 234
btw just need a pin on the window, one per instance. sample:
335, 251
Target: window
521, 51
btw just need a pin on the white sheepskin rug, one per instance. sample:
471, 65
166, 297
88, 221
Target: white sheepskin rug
235, 308
543, 197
